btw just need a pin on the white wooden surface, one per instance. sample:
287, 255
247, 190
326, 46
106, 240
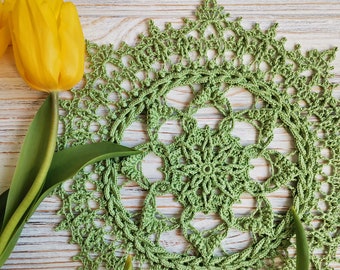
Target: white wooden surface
312, 23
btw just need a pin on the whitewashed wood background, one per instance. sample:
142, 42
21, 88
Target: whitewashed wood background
315, 24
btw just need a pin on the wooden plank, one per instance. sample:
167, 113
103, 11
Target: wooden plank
314, 24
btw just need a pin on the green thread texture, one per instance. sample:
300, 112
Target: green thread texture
206, 169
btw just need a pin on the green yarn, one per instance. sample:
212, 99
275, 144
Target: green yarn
206, 169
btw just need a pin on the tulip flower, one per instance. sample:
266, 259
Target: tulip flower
49, 51
48, 43
5, 36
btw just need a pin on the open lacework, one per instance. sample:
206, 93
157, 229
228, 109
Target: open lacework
208, 170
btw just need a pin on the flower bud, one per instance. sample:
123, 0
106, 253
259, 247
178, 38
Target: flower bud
48, 43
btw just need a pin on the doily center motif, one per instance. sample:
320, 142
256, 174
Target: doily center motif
206, 169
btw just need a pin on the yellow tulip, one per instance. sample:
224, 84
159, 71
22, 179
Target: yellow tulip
48, 43
5, 36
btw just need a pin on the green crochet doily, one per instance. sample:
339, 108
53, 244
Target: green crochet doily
206, 169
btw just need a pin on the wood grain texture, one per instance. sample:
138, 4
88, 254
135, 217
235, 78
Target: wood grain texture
315, 24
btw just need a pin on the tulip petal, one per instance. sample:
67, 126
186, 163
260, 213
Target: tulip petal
55, 6
20, 66
5, 8
18, 62
5, 35
72, 47
5, 39
36, 44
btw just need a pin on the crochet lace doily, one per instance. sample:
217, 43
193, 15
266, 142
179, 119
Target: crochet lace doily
206, 169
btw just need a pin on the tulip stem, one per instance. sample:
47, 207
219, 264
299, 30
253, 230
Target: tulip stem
38, 182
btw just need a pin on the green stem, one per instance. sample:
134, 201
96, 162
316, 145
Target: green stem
302, 249
38, 183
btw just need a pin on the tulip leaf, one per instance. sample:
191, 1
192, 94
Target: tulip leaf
3, 202
35, 156
64, 165
302, 250
11, 243
69, 161
128, 263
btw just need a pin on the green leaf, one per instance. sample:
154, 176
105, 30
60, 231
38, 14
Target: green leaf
302, 250
128, 263
11, 244
30, 173
34, 154
68, 162
64, 165
3, 202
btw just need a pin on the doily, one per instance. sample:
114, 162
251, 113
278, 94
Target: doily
206, 169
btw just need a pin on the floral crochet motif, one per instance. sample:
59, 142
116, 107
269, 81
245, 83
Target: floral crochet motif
206, 169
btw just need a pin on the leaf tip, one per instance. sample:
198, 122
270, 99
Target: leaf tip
128, 263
